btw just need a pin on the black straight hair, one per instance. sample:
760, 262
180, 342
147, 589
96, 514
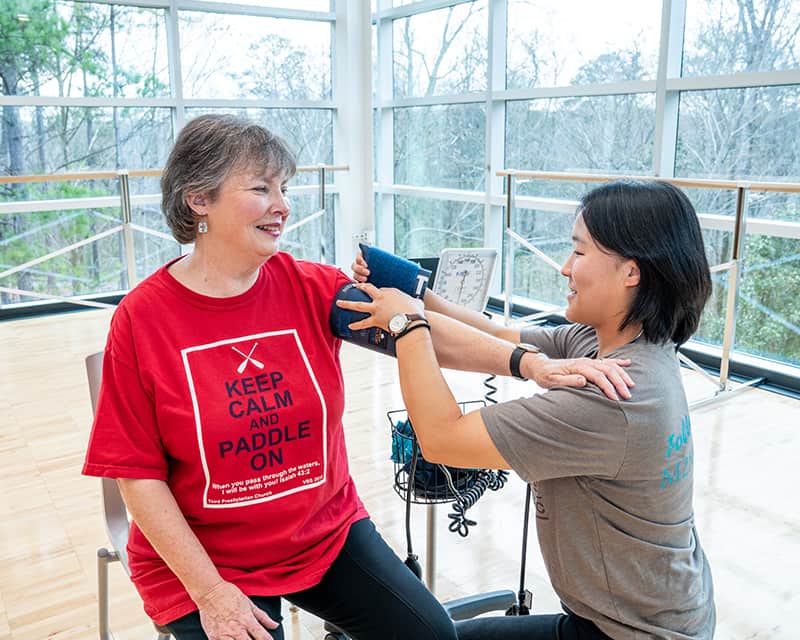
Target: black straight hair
655, 225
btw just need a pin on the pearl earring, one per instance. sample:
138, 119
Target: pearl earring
202, 227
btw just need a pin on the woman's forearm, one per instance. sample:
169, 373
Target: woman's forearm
463, 347
431, 406
157, 514
434, 302
444, 434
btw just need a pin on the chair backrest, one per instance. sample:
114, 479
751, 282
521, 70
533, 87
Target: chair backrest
116, 515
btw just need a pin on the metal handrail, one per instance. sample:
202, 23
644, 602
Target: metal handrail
699, 183
127, 226
133, 173
732, 266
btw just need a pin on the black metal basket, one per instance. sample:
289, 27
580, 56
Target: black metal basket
430, 483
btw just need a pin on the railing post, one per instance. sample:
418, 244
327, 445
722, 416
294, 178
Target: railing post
322, 208
127, 231
733, 285
508, 253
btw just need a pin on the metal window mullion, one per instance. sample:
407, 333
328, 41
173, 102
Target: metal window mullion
427, 101
261, 9
65, 204
673, 19
734, 80
143, 4
353, 122
175, 68
579, 91
435, 193
385, 156
258, 103
322, 256
423, 6
81, 101
495, 128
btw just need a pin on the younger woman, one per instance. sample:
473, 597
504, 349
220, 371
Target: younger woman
613, 479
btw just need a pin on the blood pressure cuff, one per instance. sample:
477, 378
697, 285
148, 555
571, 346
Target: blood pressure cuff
373, 338
389, 270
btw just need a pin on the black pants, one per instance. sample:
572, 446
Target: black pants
368, 593
557, 626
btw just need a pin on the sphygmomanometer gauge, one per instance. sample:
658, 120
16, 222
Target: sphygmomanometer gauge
463, 276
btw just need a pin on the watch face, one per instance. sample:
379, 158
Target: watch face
398, 322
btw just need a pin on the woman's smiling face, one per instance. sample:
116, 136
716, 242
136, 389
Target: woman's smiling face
601, 284
247, 215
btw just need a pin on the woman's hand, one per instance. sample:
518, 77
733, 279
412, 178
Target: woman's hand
385, 303
226, 613
607, 373
359, 267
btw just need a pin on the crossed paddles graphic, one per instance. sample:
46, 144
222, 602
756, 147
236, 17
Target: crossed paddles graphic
248, 358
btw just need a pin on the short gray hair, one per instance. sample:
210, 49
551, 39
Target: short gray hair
208, 150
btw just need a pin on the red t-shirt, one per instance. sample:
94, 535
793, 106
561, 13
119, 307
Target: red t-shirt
237, 404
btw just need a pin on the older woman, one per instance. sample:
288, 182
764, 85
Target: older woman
613, 480
220, 415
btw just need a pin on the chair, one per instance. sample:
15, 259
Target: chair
116, 516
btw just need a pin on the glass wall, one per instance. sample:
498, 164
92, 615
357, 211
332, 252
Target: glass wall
98, 86
574, 42
586, 87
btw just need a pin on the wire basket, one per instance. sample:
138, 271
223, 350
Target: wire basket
421, 482
430, 483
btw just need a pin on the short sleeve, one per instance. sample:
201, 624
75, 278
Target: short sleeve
563, 432
124, 442
563, 341
324, 282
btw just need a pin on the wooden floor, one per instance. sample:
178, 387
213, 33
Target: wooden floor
748, 511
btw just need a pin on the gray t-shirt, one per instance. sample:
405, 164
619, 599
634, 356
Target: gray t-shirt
613, 485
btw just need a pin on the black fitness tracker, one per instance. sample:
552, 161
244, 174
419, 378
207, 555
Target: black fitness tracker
516, 357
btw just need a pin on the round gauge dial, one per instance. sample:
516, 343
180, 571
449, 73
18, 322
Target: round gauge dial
464, 275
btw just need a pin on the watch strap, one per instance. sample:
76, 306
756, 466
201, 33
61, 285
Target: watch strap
411, 327
516, 358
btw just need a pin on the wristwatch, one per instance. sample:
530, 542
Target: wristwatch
398, 323
516, 357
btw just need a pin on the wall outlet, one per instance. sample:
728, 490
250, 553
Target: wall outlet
364, 236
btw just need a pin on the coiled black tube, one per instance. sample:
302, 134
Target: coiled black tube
459, 523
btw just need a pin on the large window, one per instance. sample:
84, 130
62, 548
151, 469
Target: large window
441, 52
708, 89
731, 36
272, 58
98, 86
423, 227
462, 90
440, 146
568, 42
597, 134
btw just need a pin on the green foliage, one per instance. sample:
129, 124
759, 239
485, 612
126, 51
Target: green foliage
32, 35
